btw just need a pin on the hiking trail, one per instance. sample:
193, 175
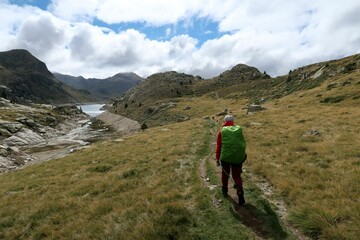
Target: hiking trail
246, 213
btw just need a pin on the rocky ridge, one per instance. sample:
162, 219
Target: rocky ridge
25, 130
26, 79
103, 88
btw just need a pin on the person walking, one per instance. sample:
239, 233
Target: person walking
231, 154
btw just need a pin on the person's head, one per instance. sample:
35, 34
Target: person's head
228, 119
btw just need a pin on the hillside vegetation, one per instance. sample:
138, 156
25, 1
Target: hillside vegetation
304, 147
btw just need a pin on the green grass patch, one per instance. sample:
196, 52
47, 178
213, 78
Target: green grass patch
100, 169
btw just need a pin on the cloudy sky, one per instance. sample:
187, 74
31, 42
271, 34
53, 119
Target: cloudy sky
99, 38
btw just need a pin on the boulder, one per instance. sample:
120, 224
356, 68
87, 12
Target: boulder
30, 136
3, 151
14, 150
4, 133
12, 127
312, 132
255, 108
26, 121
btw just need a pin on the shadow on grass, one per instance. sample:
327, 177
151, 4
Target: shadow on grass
262, 219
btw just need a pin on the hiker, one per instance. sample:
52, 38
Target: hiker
230, 154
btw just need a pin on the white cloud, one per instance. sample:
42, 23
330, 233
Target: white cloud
274, 36
74, 10
40, 34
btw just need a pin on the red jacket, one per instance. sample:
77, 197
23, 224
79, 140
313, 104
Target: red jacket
219, 141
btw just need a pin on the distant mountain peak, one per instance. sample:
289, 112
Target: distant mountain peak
28, 80
21, 59
104, 88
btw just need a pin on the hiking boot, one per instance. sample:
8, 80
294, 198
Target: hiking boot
241, 197
224, 191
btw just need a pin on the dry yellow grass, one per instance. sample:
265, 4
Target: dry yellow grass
318, 175
146, 186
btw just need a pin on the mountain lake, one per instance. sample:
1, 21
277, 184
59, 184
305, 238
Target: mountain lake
92, 109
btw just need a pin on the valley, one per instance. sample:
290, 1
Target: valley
158, 179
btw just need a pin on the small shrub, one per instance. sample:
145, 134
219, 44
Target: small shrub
130, 173
350, 67
301, 149
101, 169
333, 99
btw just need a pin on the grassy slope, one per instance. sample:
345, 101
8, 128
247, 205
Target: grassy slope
147, 186
318, 175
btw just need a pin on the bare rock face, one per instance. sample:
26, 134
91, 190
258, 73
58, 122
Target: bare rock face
24, 137
255, 108
11, 127
36, 126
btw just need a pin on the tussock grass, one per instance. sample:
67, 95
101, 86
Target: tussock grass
147, 185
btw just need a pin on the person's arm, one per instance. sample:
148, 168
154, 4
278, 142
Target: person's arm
218, 147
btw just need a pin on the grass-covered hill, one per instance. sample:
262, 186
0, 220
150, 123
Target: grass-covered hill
25, 79
301, 178
148, 101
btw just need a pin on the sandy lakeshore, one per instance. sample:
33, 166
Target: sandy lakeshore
119, 123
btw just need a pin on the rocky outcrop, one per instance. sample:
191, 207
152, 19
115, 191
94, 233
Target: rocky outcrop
254, 108
37, 127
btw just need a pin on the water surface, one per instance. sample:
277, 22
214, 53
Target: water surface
92, 109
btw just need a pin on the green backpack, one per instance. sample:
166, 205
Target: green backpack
233, 145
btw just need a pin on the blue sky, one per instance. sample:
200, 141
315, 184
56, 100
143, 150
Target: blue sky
99, 38
38, 3
202, 29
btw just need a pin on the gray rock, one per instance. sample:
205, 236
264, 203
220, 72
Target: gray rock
11, 126
14, 150
4, 102
30, 136
26, 121
19, 161
15, 141
4, 163
3, 151
255, 108
4, 132
312, 132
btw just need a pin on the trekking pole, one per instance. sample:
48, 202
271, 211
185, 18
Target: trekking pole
228, 174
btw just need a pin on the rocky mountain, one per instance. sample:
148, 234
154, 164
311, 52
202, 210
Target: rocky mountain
159, 92
25, 79
103, 88
152, 95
